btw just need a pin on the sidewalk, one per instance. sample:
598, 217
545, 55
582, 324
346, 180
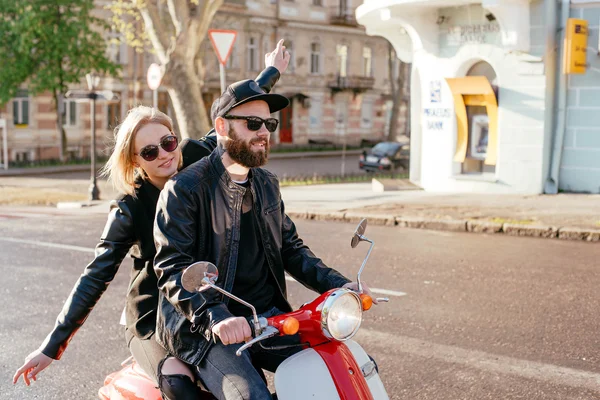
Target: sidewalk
564, 216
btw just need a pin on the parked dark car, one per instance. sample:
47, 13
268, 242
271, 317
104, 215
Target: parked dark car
385, 156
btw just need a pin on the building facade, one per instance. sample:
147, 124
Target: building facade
492, 109
337, 81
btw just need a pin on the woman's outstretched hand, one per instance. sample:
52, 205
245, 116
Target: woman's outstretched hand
35, 363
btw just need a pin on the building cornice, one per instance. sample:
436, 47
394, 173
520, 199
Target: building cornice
418, 18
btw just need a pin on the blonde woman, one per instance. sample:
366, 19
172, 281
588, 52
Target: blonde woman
145, 156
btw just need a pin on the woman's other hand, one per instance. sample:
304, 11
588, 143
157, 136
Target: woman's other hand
35, 363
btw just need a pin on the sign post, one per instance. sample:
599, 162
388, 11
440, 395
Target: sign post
222, 41
4, 143
154, 78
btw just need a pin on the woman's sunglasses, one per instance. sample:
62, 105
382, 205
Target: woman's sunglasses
254, 123
150, 152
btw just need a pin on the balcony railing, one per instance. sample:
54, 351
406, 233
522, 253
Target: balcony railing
238, 3
342, 15
353, 83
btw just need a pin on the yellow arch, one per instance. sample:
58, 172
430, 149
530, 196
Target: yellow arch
474, 91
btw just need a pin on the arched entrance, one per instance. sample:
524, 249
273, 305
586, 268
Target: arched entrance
478, 125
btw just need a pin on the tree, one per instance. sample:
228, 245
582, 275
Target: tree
175, 31
50, 45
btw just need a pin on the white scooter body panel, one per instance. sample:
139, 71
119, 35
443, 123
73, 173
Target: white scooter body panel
364, 362
306, 376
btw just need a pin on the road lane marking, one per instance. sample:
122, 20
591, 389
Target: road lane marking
48, 244
89, 250
374, 290
487, 362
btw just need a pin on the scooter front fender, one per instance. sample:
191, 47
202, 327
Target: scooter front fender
329, 372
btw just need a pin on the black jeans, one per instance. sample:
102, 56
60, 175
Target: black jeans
229, 377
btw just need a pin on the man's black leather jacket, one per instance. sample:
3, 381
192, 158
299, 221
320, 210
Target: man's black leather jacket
128, 229
198, 219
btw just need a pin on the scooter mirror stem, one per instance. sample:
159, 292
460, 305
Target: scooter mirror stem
257, 328
364, 262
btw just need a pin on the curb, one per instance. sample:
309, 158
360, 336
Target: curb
453, 225
78, 204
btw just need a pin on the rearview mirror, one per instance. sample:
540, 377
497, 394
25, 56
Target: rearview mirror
197, 276
358, 233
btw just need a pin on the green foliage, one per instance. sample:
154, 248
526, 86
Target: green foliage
49, 45
126, 19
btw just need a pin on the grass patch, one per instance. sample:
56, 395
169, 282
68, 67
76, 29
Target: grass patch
36, 196
327, 179
498, 220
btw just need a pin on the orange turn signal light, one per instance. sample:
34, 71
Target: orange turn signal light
367, 301
290, 326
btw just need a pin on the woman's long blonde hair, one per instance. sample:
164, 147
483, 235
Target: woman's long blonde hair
120, 167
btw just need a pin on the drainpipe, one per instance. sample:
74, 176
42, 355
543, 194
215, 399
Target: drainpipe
558, 134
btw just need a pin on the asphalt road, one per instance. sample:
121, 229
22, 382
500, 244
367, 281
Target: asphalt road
484, 317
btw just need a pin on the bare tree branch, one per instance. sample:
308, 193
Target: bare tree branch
201, 16
155, 30
179, 12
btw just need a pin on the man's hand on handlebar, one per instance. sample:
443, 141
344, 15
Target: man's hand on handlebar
233, 330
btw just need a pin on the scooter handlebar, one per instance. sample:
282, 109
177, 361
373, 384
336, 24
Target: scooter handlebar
268, 332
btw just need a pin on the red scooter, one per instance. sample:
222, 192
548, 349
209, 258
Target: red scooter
331, 367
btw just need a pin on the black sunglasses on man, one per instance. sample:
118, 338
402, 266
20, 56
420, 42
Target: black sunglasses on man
254, 123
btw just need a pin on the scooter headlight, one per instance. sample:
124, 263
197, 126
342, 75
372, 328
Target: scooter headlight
341, 315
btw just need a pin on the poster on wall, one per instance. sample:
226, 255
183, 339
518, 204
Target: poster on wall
435, 91
479, 136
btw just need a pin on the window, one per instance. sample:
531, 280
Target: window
316, 112
317, 3
21, 108
289, 46
342, 60
315, 58
366, 114
69, 113
252, 54
367, 62
341, 115
21, 156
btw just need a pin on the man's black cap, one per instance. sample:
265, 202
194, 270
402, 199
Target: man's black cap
243, 92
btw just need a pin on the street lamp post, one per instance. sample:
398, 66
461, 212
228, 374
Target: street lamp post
91, 96
93, 82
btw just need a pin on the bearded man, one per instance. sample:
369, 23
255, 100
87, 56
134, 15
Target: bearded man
227, 210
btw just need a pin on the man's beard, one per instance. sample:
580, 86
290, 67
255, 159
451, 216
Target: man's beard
242, 153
